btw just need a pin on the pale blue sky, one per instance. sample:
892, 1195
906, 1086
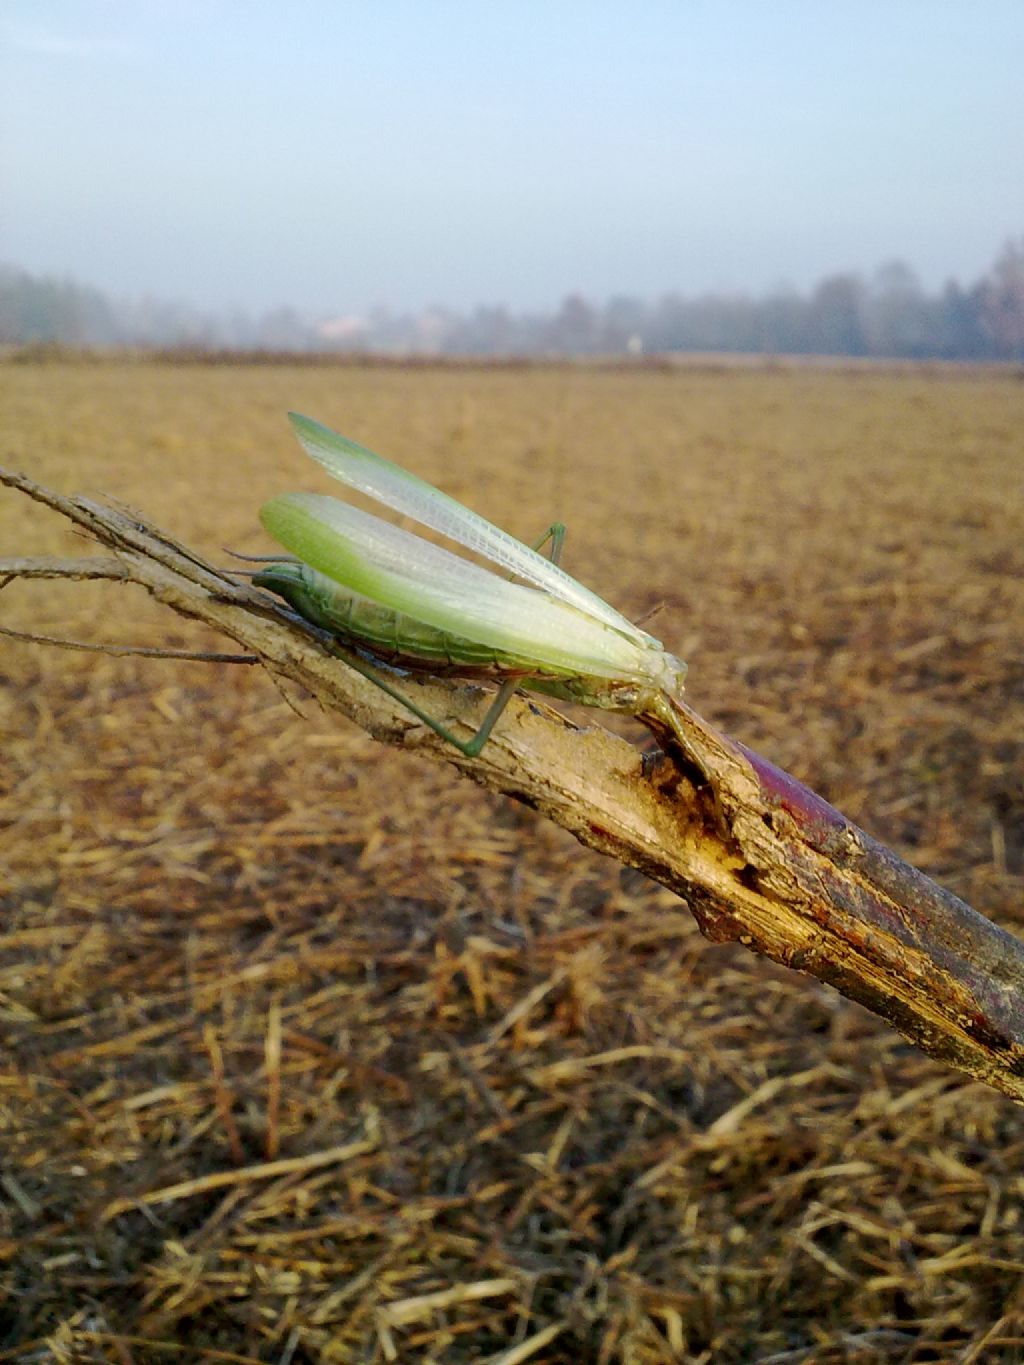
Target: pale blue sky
403, 152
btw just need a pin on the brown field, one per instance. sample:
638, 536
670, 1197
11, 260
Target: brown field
492, 1067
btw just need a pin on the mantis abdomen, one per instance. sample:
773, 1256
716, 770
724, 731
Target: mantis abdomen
392, 636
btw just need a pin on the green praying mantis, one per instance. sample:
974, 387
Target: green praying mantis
410, 605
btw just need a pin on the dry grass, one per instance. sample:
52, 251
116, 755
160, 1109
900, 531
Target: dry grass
314, 1053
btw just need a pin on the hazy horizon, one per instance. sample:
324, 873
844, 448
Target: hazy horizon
336, 158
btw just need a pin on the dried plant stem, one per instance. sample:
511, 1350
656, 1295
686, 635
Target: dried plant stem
202, 656
218, 1180
759, 858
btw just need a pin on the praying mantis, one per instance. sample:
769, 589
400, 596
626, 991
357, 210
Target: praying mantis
410, 605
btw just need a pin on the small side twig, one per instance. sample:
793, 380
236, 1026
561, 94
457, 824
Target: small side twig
121, 651
85, 567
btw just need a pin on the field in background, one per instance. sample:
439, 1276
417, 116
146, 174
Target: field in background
492, 1062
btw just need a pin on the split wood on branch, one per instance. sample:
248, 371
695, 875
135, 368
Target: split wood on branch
758, 857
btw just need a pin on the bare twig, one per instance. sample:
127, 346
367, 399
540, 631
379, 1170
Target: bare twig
759, 858
46, 567
120, 651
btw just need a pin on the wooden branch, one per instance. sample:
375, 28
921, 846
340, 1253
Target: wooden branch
759, 857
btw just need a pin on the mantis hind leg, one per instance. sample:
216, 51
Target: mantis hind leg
470, 747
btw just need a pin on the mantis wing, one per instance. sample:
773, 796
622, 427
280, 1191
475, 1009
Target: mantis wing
413, 576
414, 497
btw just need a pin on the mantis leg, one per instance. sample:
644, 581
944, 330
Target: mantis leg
470, 747
556, 534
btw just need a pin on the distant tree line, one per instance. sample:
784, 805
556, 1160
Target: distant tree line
889, 315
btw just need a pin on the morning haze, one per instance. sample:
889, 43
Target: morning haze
338, 159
